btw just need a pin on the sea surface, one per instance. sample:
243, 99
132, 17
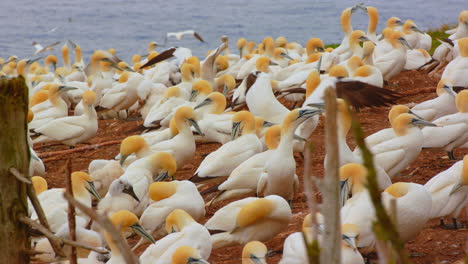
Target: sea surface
129, 25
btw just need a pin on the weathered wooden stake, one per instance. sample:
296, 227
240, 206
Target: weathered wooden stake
14, 153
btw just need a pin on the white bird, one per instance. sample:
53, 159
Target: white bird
457, 69
123, 95
183, 231
440, 106
182, 34
396, 154
249, 219
254, 252
39, 48
415, 58
72, 130
103, 172
120, 195
452, 130
166, 197
278, 176
393, 62
449, 191
226, 158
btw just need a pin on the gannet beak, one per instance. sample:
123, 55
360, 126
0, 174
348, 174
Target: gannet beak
128, 69
196, 126
139, 230
256, 259
421, 122
267, 124
122, 159
161, 176
72, 44
64, 88
129, 190
344, 191
416, 29
404, 42
235, 130
350, 240
284, 55
272, 63
299, 138
225, 90
317, 105
207, 101
411, 112
197, 261
455, 188
450, 90
31, 61
320, 49
93, 191
193, 94
364, 38
307, 113
381, 37
399, 23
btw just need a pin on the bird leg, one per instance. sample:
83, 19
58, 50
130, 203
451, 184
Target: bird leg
453, 226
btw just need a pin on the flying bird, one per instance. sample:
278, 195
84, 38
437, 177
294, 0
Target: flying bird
40, 48
180, 35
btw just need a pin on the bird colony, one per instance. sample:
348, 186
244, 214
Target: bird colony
238, 99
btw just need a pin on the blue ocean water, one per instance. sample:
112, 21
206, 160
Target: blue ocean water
129, 25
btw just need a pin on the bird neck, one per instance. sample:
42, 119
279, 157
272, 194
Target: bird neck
345, 21
373, 21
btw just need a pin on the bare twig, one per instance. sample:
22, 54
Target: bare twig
18, 176
105, 223
331, 244
69, 151
59, 240
71, 213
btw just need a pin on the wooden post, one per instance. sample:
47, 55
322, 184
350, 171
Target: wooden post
331, 244
14, 153
71, 213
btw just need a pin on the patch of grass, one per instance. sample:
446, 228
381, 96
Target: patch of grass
438, 33
332, 45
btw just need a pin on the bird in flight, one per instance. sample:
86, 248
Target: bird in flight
40, 48
180, 35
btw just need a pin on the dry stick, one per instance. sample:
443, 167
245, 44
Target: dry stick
71, 212
105, 223
51, 236
69, 151
313, 249
331, 244
383, 227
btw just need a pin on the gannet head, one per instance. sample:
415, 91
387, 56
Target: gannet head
350, 233
38, 98
409, 26
124, 66
217, 100
272, 136
200, 87
394, 22
357, 36
398, 189
241, 43
281, 53
281, 42
262, 64
187, 255
312, 81
177, 220
269, 46
51, 59
396, 110
152, 45
243, 122
120, 185
30, 116
173, 91
196, 64
463, 17
296, 117
184, 114
254, 211
111, 51
363, 71
260, 124
314, 45
124, 77
89, 97
130, 145
462, 101
187, 72
368, 49
137, 67
136, 58
402, 122
354, 176
81, 181
254, 252
338, 71
445, 86
227, 82
463, 181
39, 184
463, 47
354, 62
313, 57
397, 39
221, 63
162, 190
166, 164
124, 219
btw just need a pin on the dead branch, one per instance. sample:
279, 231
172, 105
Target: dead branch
18, 176
70, 151
71, 212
